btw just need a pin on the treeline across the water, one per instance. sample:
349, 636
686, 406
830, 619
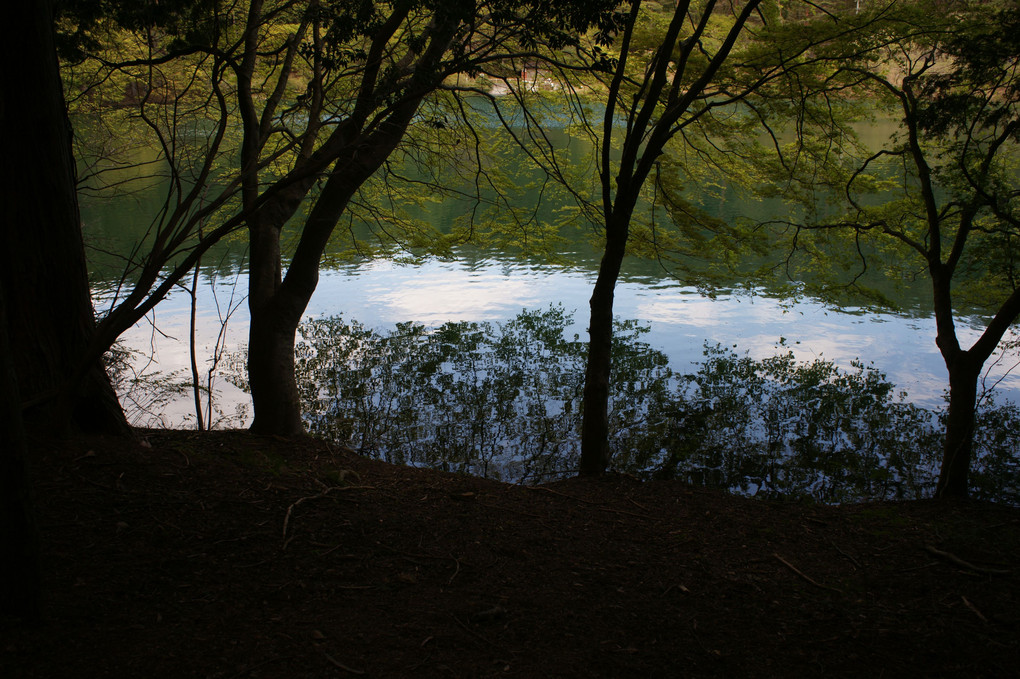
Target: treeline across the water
503, 400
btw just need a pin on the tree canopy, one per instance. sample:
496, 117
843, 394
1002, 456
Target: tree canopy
939, 198
310, 115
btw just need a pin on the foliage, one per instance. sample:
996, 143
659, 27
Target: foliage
935, 198
932, 203
146, 392
502, 400
85, 26
776, 427
496, 400
996, 473
240, 112
673, 111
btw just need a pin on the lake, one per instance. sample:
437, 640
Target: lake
381, 293
489, 285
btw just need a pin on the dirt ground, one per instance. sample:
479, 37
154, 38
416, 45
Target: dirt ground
231, 555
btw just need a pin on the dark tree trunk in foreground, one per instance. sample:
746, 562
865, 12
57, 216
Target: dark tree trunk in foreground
356, 150
274, 389
277, 302
276, 305
19, 551
50, 318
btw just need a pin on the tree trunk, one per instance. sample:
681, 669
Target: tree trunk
274, 390
19, 542
277, 305
959, 443
50, 319
271, 334
595, 453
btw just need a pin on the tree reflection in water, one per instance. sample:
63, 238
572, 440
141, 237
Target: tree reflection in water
504, 401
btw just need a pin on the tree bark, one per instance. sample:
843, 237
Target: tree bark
50, 319
964, 367
595, 451
653, 114
271, 335
276, 305
275, 315
19, 534
958, 448
274, 390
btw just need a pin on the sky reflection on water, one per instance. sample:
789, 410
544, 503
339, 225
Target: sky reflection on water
382, 293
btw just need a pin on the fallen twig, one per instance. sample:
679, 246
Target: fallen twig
339, 664
455, 573
556, 492
411, 556
919, 568
1004, 523
852, 560
325, 493
591, 502
187, 461
805, 577
952, 558
974, 608
475, 634
639, 506
625, 513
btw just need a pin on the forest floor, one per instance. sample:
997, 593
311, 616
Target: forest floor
231, 555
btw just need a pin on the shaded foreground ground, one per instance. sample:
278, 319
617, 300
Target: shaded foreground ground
231, 555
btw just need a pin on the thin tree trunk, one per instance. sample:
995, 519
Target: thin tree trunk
595, 452
196, 386
958, 447
653, 115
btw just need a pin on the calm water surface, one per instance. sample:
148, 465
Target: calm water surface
496, 287
382, 293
